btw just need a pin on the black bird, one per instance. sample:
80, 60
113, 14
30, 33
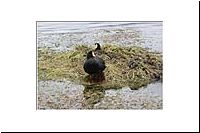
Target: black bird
93, 64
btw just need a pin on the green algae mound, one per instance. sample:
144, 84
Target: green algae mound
125, 66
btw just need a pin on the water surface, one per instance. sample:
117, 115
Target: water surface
62, 35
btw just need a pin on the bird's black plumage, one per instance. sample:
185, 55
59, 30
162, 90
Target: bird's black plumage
94, 64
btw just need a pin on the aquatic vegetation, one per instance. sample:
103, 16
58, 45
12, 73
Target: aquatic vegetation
125, 66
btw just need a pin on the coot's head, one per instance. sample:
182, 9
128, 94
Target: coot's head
90, 55
98, 46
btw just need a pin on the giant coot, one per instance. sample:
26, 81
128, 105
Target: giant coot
93, 64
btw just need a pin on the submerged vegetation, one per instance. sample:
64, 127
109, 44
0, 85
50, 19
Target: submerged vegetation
125, 66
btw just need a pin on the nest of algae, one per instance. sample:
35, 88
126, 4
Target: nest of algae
125, 66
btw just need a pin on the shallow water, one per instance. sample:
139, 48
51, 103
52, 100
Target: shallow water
62, 36
68, 95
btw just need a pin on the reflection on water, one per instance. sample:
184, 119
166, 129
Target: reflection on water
92, 95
